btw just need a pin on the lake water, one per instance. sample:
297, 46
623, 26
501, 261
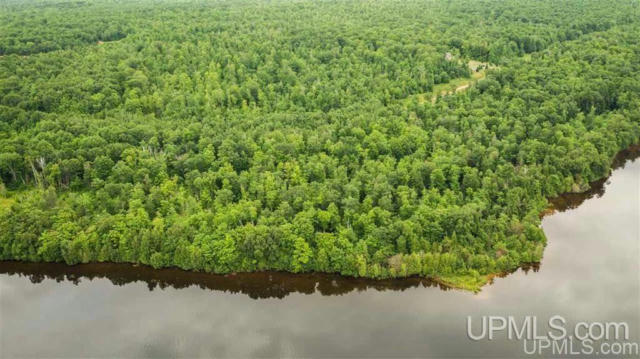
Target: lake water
590, 272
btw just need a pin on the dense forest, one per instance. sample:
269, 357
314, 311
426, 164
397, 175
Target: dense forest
234, 136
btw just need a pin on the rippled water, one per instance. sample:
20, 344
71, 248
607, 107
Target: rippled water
590, 272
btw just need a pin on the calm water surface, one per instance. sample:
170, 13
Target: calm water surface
590, 272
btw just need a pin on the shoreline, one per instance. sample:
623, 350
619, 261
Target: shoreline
124, 272
571, 200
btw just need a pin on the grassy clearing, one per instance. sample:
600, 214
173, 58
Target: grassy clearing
478, 72
465, 282
5, 204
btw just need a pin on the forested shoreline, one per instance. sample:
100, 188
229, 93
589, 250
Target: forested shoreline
290, 135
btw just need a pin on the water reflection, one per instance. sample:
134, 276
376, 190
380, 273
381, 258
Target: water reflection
255, 285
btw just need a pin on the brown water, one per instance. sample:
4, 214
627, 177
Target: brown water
590, 272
